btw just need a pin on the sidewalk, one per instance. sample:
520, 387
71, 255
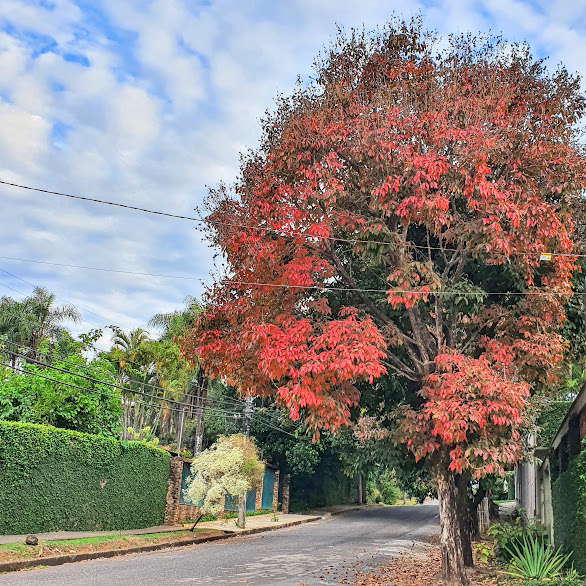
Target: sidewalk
258, 523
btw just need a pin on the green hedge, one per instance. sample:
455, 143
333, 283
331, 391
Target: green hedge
569, 510
550, 418
53, 479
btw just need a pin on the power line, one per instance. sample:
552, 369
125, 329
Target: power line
100, 201
228, 400
70, 303
248, 227
114, 386
122, 388
85, 389
15, 290
117, 387
66, 301
62, 299
288, 286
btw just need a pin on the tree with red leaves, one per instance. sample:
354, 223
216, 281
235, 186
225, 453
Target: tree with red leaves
392, 223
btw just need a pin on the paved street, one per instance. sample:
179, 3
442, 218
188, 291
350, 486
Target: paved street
319, 553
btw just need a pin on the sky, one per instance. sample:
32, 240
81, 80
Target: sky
147, 102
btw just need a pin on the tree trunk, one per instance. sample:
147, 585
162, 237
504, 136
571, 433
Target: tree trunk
242, 512
464, 518
197, 519
453, 570
359, 495
474, 524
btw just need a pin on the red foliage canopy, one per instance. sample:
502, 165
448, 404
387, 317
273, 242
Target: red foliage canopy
366, 234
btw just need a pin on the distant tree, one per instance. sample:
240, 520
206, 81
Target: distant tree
229, 467
24, 324
57, 390
174, 323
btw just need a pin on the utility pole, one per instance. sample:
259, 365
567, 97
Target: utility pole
200, 398
180, 434
248, 410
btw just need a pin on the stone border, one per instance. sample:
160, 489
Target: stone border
110, 553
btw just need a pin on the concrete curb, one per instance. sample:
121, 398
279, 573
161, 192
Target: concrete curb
110, 553
341, 512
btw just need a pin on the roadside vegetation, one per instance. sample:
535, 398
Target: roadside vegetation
11, 552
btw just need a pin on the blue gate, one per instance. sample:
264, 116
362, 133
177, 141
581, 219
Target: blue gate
250, 502
185, 474
268, 488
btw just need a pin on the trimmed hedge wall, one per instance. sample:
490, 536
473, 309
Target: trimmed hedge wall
549, 421
52, 479
569, 510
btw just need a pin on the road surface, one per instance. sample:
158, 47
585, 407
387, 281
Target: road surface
318, 553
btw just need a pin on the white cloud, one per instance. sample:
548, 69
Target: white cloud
173, 92
23, 137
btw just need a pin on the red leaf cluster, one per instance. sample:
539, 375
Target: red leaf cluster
472, 407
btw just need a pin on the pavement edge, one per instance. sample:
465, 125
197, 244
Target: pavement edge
110, 553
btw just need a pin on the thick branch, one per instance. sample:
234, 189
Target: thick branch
400, 367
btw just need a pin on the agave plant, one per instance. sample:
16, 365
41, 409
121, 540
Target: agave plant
533, 558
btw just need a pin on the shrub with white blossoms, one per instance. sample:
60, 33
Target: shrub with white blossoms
231, 466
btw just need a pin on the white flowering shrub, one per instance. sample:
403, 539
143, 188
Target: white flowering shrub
231, 466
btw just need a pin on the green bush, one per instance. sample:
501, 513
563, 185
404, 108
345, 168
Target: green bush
565, 581
569, 510
509, 536
372, 493
535, 559
53, 479
63, 399
389, 491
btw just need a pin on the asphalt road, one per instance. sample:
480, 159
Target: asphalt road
318, 553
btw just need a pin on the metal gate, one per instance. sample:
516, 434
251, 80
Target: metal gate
268, 487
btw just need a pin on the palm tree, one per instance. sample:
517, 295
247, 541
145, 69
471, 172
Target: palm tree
128, 344
45, 320
175, 323
24, 324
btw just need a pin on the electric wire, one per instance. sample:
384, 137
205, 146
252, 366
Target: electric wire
95, 380
123, 388
70, 303
84, 389
240, 403
288, 286
203, 409
229, 400
236, 225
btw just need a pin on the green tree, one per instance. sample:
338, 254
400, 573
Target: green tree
24, 324
71, 393
195, 386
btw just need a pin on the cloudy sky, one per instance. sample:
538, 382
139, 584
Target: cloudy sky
147, 102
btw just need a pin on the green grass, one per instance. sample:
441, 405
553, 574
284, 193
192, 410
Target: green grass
73, 543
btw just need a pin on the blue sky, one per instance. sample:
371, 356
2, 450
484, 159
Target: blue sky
146, 103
